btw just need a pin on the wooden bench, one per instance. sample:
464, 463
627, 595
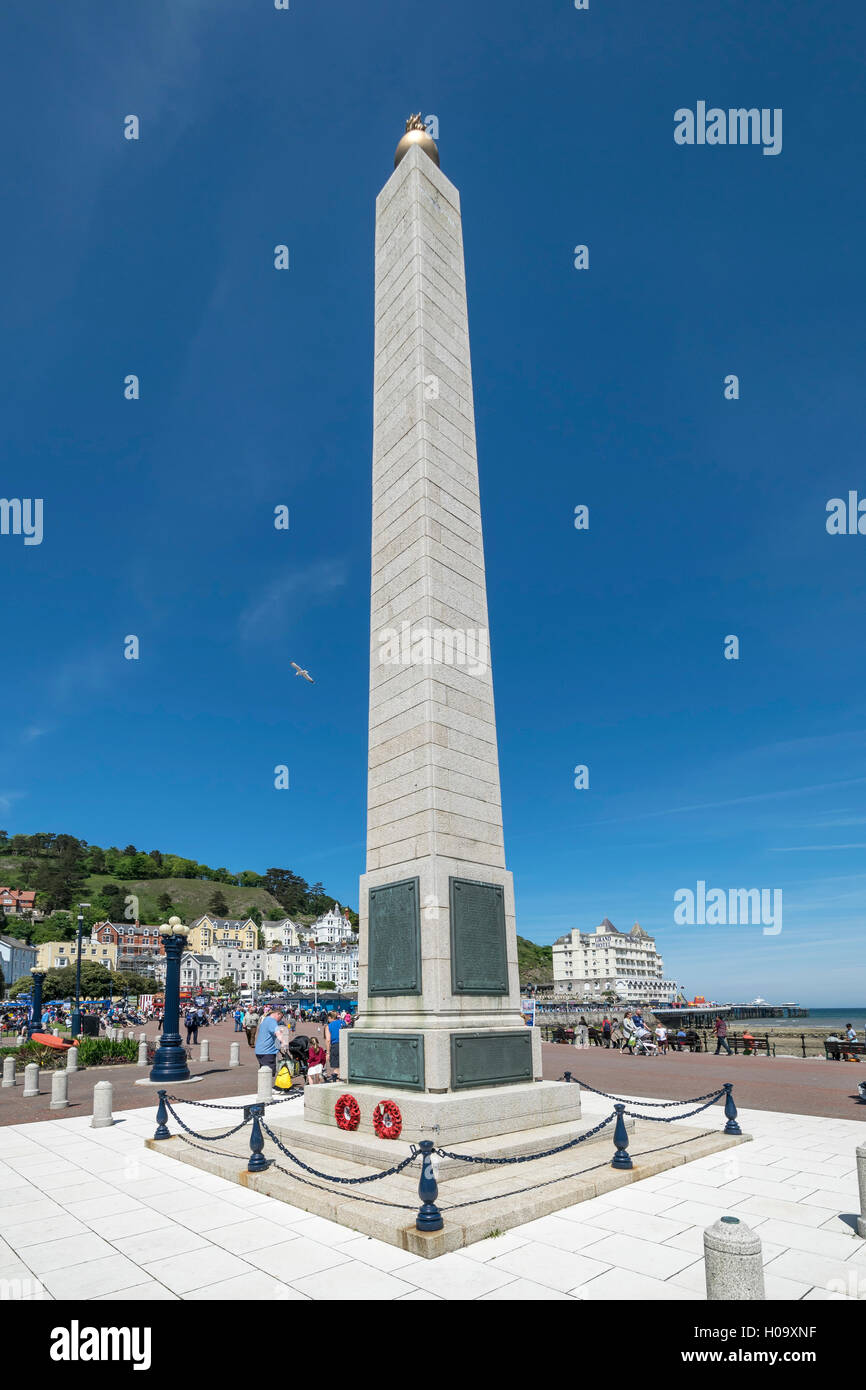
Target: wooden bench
835, 1051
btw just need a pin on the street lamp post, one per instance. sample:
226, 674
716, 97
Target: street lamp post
35, 1023
169, 1064
76, 1012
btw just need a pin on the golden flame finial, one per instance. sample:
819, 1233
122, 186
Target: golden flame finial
416, 134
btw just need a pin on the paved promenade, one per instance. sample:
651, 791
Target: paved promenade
95, 1215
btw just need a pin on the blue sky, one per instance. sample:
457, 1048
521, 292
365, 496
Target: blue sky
603, 387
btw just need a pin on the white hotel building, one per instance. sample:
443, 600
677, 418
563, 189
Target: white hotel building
590, 963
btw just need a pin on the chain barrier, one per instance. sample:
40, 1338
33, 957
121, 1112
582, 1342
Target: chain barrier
356, 1196
563, 1177
528, 1158
212, 1105
656, 1104
332, 1177
669, 1119
171, 1110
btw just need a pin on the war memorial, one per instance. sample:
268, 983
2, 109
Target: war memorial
440, 1053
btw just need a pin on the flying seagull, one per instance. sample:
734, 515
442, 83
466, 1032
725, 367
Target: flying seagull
299, 671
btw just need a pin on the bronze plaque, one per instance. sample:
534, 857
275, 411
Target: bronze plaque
479, 963
490, 1059
394, 1059
394, 939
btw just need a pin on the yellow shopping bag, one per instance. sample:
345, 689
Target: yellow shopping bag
283, 1079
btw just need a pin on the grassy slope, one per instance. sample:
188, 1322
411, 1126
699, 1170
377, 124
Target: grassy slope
189, 895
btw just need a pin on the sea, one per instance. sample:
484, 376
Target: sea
829, 1019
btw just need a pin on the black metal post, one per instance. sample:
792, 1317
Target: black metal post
75, 1021
429, 1217
258, 1163
730, 1110
162, 1131
35, 1023
169, 1064
621, 1158
567, 1075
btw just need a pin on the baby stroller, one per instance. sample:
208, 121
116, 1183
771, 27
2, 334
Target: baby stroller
298, 1049
644, 1046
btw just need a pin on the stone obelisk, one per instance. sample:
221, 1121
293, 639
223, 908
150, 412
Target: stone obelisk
439, 1008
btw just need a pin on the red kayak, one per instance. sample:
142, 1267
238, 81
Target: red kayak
49, 1040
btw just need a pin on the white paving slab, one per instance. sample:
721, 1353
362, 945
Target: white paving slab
97, 1215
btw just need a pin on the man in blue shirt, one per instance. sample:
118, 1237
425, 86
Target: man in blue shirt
267, 1042
334, 1025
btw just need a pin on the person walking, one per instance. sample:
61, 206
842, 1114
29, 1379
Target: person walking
629, 1033
662, 1039
720, 1028
191, 1021
606, 1029
252, 1019
335, 1024
269, 1039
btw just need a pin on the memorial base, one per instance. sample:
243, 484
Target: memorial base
454, 1118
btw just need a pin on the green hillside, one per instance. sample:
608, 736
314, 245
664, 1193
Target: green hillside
535, 963
190, 897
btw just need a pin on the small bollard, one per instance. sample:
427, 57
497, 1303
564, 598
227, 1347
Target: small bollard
258, 1163
429, 1217
204, 1055
59, 1093
9, 1071
567, 1075
72, 1059
103, 1093
622, 1158
266, 1084
235, 1055
730, 1110
21, 1040
31, 1080
861, 1181
162, 1131
733, 1265
142, 1051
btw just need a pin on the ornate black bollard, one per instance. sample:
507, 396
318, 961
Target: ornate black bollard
730, 1110
429, 1217
162, 1130
257, 1163
567, 1075
621, 1158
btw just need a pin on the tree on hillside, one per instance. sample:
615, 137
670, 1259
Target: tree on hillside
289, 889
96, 860
218, 905
164, 903
60, 926
112, 899
255, 914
